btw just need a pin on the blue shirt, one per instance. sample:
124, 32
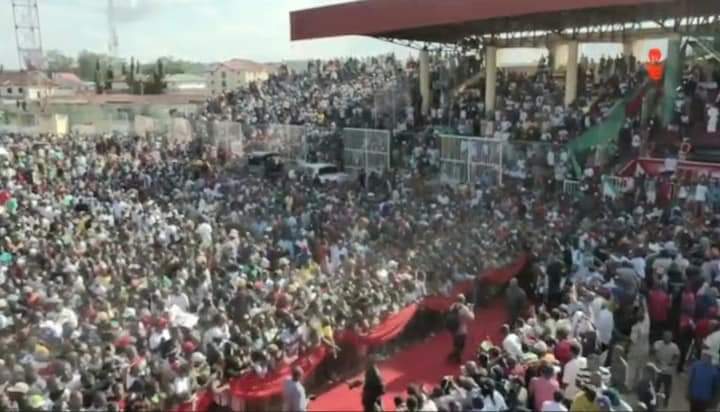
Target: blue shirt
704, 379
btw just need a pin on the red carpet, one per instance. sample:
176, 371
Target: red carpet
423, 363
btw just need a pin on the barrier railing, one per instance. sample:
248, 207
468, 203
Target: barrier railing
571, 187
465, 159
614, 186
367, 149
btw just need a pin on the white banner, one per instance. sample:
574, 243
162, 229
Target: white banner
229, 137
180, 131
84, 129
143, 125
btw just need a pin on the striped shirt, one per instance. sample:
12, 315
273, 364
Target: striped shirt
584, 374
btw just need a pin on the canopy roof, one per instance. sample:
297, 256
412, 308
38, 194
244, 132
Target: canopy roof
449, 21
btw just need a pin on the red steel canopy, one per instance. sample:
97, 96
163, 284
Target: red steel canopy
448, 21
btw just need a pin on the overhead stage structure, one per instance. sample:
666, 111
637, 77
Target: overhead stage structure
493, 24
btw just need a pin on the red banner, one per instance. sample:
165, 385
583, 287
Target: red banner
253, 387
499, 276
388, 330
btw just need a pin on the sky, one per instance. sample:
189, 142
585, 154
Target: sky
197, 30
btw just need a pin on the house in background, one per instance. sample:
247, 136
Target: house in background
230, 75
119, 85
186, 84
18, 86
69, 84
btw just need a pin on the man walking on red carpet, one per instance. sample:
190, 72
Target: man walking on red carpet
459, 317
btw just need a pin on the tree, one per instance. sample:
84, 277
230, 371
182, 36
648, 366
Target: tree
123, 69
160, 71
87, 64
58, 62
178, 66
130, 77
109, 77
98, 81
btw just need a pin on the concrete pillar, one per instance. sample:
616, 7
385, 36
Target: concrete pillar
425, 82
672, 78
571, 72
628, 46
490, 80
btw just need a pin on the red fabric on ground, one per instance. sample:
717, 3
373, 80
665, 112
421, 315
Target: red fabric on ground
499, 276
254, 387
423, 363
386, 331
251, 387
503, 275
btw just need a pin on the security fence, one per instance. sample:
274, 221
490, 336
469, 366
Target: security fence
466, 159
288, 141
229, 138
572, 187
180, 132
367, 149
614, 186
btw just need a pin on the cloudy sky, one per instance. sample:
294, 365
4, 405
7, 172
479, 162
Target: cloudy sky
199, 30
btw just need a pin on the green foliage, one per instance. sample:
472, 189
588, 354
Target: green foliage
98, 81
58, 62
109, 77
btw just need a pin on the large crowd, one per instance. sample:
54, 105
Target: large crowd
135, 273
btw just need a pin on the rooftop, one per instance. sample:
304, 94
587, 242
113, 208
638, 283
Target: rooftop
449, 21
241, 65
22, 78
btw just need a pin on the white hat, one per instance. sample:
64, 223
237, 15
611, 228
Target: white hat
20, 387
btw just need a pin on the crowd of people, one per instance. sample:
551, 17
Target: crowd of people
530, 105
135, 273
627, 306
133, 276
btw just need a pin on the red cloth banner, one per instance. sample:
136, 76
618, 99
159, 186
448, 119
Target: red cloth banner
496, 276
388, 330
252, 386
501, 276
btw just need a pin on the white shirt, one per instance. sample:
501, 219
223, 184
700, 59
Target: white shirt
294, 399
494, 403
552, 406
712, 341
513, 346
700, 193
570, 376
605, 325
639, 266
158, 337
204, 230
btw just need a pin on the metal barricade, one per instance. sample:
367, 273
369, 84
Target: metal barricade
229, 138
367, 149
614, 186
287, 140
465, 159
571, 187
